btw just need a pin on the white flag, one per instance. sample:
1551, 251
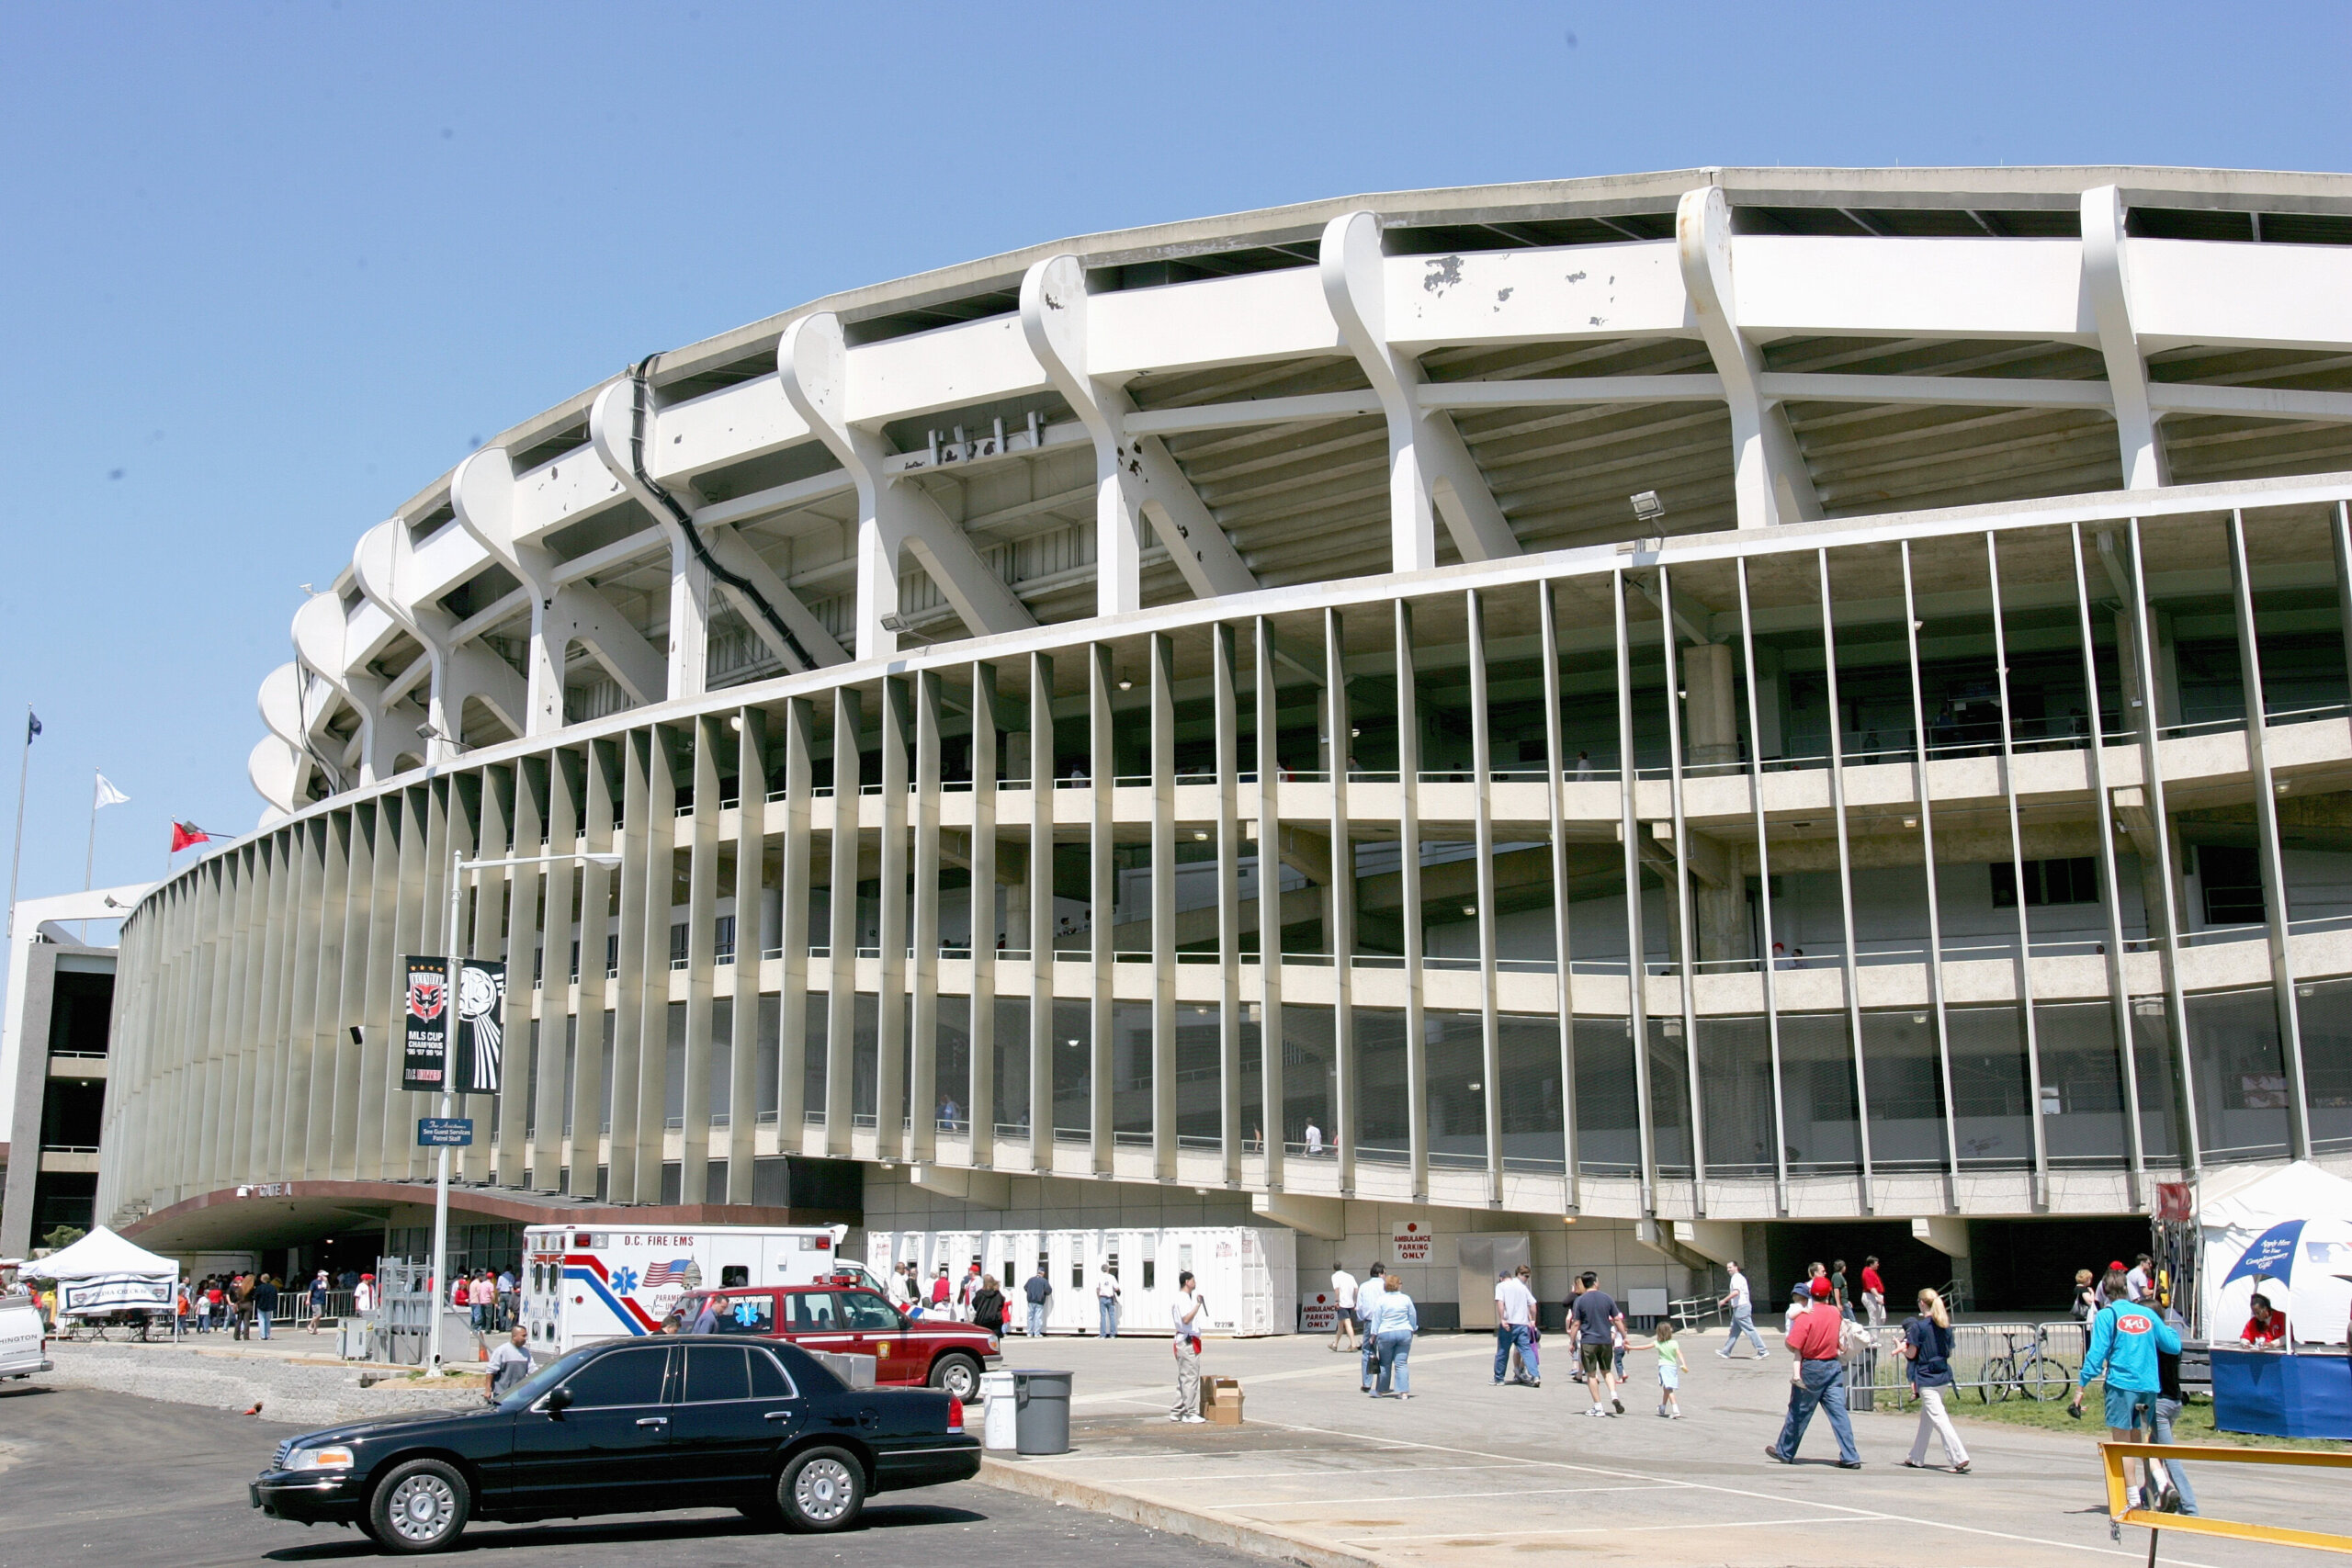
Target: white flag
107, 794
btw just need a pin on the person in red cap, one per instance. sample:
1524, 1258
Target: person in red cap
1819, 1379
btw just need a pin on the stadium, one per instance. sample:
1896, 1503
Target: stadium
1674, 714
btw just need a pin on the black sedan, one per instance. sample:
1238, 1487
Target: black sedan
624, 1427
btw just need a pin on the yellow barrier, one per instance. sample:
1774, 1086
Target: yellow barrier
2112, 1455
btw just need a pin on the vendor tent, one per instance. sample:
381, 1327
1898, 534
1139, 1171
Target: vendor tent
2286, 1232
102, 1272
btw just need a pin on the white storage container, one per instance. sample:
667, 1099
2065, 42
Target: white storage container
1249, 1275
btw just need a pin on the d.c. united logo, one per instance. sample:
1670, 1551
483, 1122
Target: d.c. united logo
427, 995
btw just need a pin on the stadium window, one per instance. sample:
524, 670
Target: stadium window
2231, 880
2072, 880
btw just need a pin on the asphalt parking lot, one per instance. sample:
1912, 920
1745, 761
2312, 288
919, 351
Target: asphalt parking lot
104, 1479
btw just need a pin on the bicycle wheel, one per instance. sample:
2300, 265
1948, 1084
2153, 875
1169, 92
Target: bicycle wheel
2001, 1378
2047, 1380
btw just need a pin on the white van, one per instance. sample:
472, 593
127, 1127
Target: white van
24, 1338
582, 1284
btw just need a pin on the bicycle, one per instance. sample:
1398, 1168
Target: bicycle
2035, 1374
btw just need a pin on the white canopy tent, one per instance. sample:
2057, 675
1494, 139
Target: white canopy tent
2287, 1232
102, 1272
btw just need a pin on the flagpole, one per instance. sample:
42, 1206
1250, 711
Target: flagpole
17, 856
90, 857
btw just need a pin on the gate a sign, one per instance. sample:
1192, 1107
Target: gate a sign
424, 1058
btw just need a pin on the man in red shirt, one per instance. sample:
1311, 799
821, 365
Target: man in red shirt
1820, 1380
1873, 1294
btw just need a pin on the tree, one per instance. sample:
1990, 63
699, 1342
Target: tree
61, 1237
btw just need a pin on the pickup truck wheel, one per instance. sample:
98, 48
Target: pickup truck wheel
820, 1490
419, 1506
958, 1374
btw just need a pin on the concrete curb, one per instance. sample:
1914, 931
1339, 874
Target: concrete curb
1258, 1540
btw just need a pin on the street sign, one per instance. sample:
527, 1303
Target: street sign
451, 1132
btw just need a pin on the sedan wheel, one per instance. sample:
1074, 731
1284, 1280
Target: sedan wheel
821, 1490
420, 1507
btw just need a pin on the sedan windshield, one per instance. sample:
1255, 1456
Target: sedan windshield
526, 1392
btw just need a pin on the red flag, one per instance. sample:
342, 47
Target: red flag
187, 833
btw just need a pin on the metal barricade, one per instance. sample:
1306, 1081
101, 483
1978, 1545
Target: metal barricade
1990, 1361
2120, 1510
403, 1321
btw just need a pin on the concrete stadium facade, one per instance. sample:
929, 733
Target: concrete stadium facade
1773, 696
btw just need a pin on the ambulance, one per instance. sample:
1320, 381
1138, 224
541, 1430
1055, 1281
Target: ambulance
585, 1284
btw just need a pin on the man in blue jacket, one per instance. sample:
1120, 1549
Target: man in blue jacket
2126, 1337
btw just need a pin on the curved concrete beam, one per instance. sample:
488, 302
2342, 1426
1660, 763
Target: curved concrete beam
381, 564
1770, 482
2106, 283
1430, 470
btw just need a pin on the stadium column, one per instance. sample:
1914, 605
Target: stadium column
2272, 862
923, 1017
629, 1044
841, 907
1630, 829
1162, 654
1339, 899
892, 1110
664, 752
2016, 862
980, 1092
1409, 863
1482, 776
376, 948
1770, 482
2106, 279
593, 1045
251, 998
330, 1089
751, 934
1922, 786
279, 872
310, 1084
1101, 914
711, 739
795, 894
1681, 712
1224, 678
481, 936
1267, 808
1564, 968
557, 783
1849, 970
1041, 912
1430, 470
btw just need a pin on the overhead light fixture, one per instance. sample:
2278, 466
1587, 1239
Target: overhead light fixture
1200, 834
1647, 507
1354, 733
1910, 822
1126, 685
1469, 908
892, 624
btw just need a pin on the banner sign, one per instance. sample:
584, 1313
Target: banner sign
435, 1132
426, 1057
481, 1025
115, 1293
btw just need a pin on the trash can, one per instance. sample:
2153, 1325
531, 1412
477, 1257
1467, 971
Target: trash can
1041, 1405
998, 1413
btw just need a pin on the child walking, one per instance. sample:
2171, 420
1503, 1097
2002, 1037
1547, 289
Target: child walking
1670, 1367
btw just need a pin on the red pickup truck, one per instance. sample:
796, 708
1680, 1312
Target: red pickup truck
908, 1352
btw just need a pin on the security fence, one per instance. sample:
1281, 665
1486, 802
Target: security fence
1990, 1363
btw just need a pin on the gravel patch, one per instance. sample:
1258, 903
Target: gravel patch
314, 1393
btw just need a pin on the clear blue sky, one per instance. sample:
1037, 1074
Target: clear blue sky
267, 270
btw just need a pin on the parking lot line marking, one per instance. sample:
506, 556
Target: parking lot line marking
1294, 1474
1623, 1530
1439, 1496
1768, 1497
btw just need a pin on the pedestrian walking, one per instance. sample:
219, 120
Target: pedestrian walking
1926, 1346
1188, 1315
1818, 1378
511, 1363
1597, 1320
2178, 1498
1106, 1299
988, 1306
1742, 1306
1873, 1294
318, 1299
241, 1297
1376, 1285
2126, 1340
1394, 1325
1343, 1318
1514, 1330
363, 1295
1313, 1141
2085, 1300
1038, 1291
1837, 1286
1670, 1367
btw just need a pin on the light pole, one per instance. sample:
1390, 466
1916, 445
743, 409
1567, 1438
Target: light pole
457, 868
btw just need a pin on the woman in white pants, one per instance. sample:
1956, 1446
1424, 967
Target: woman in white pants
1927, 1345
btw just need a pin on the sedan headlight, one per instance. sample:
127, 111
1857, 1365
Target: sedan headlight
333, 1456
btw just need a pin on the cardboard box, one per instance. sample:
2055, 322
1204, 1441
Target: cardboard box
1221, 1400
